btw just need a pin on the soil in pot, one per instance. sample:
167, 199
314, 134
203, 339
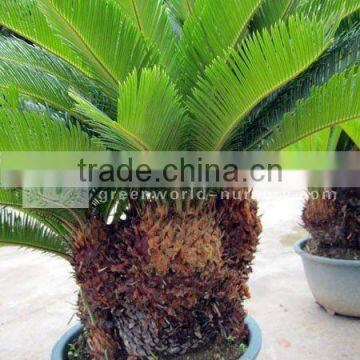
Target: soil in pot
228, 350
313, 248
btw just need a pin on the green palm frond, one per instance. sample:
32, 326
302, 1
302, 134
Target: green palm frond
24, 18
332, 104
324, 140
11, 197
31, 131
213, 27
27, 65
324, 9
233, 86
150, 112
54, 219
110, 132
180, 8
20, 229
272, 11
59, 220
35, 84
37, 59
101, 36
342, 54
152, 20
352, 128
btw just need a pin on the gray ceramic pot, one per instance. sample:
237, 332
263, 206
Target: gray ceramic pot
59, 351
334, 283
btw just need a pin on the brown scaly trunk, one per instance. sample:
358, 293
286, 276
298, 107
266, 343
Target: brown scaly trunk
241, 227
335, 222
160, 283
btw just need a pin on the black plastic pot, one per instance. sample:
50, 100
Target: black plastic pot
60, 349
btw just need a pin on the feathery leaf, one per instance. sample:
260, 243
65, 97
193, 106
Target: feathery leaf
352, 128
36, 58
180, 8
31, 131
334, 103
265, 62
20, 229
24, 18
152, 20
342, 54
150, 114
35, 84
213, 27
272, 11
101, 36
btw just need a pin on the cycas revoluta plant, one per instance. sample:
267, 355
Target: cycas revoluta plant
334, 223
332, 216
167, 75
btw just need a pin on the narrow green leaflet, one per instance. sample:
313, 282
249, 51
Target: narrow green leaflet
180, 8
31, 131
25, 19
152, 20
111, 134
151, 110
324, 140
234, 85
150, 114
325, 9
20, 229
98, 32
272, 11
352, 128
213, 27
341, 55
35, 84
36, 58
11, 197
335, 103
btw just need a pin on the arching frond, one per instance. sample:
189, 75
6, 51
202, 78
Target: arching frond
150, 114
332, 104
180, 8
11, 197
35, 84
234, 85
20, 229
152, 20
342, 54
36, 58
109, 131
24, 18
31, 131
98, 32
324, 9
352, 128
151, 110
272, 11
213, 27
324, 140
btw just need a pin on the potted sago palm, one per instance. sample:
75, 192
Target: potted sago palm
331, 256
165, 279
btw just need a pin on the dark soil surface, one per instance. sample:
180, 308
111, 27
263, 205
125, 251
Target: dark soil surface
226, 351
78, 349
313, 248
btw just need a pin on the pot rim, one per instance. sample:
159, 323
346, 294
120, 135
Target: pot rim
252, 351
255, 339
299, 249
